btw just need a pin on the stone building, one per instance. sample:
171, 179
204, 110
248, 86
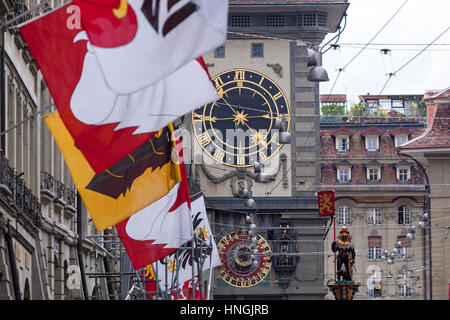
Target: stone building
41, 253
261, 73
432, 149
379, 195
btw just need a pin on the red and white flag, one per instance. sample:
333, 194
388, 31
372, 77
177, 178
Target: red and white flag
160, 228
181, 266
119, 70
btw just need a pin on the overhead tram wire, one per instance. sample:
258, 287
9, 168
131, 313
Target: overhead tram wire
368, 43
410, 60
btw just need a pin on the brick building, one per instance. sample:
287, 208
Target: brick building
379, 195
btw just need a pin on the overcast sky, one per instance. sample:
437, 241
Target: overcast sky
418, 22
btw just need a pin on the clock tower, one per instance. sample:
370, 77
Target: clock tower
269, 248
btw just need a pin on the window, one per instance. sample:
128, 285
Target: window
219, 52
385, 104
372, 104
343, 174
404, 216
405, 284
373, 174
404, 290
342, 144
322, 19
374, 216
403, 174
308, 19
398, 105
375, 250
400, 140
240, 21
372, 143
405, 250
275, 21
257, 50
344, 215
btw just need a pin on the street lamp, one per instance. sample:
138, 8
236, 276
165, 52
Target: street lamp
317, 73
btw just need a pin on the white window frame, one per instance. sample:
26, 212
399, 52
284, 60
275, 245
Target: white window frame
349, 173
374, 216
369, 173
408, 173
375, 253
343, 215
377, 144
406, 215
385, 104
347, 145
404, 136
405, 253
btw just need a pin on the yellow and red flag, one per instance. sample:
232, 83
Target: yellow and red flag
326, 203
139, 179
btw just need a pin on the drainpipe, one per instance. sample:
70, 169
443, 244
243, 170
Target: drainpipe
79, 248
12, 262
2, 90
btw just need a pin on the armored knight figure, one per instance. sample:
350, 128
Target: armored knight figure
346, 255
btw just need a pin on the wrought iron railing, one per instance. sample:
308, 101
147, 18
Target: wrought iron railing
19, 195
58, 188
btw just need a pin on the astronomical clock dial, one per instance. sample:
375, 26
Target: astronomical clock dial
235, 255
239, 129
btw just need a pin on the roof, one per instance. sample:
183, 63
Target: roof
345, 130
401, 129
390, 96
372, 129
433, 96
333, 98
437, 135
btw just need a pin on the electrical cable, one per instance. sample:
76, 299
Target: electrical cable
413, 58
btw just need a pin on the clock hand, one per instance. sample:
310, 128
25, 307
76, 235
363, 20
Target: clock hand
229, 105
268, 116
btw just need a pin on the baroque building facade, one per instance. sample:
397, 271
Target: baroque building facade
379, 196
261, 75
46, 249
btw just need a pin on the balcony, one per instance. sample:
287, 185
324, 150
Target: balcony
18, 195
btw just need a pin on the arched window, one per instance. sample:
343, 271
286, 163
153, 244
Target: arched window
344, 215
404, 215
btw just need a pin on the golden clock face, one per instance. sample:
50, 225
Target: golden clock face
239, 129
235, 256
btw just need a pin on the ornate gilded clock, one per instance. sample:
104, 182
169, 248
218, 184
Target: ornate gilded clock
239, 128
235, 255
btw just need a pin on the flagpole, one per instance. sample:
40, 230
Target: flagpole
194, 287
208, 294
334, 239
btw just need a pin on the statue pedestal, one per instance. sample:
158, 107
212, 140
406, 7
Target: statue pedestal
344, 290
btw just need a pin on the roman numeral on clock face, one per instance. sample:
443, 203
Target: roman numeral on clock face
239, 75
204, 139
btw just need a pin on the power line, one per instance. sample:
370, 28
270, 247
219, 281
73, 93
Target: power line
376, 34
410, 60
368, 43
